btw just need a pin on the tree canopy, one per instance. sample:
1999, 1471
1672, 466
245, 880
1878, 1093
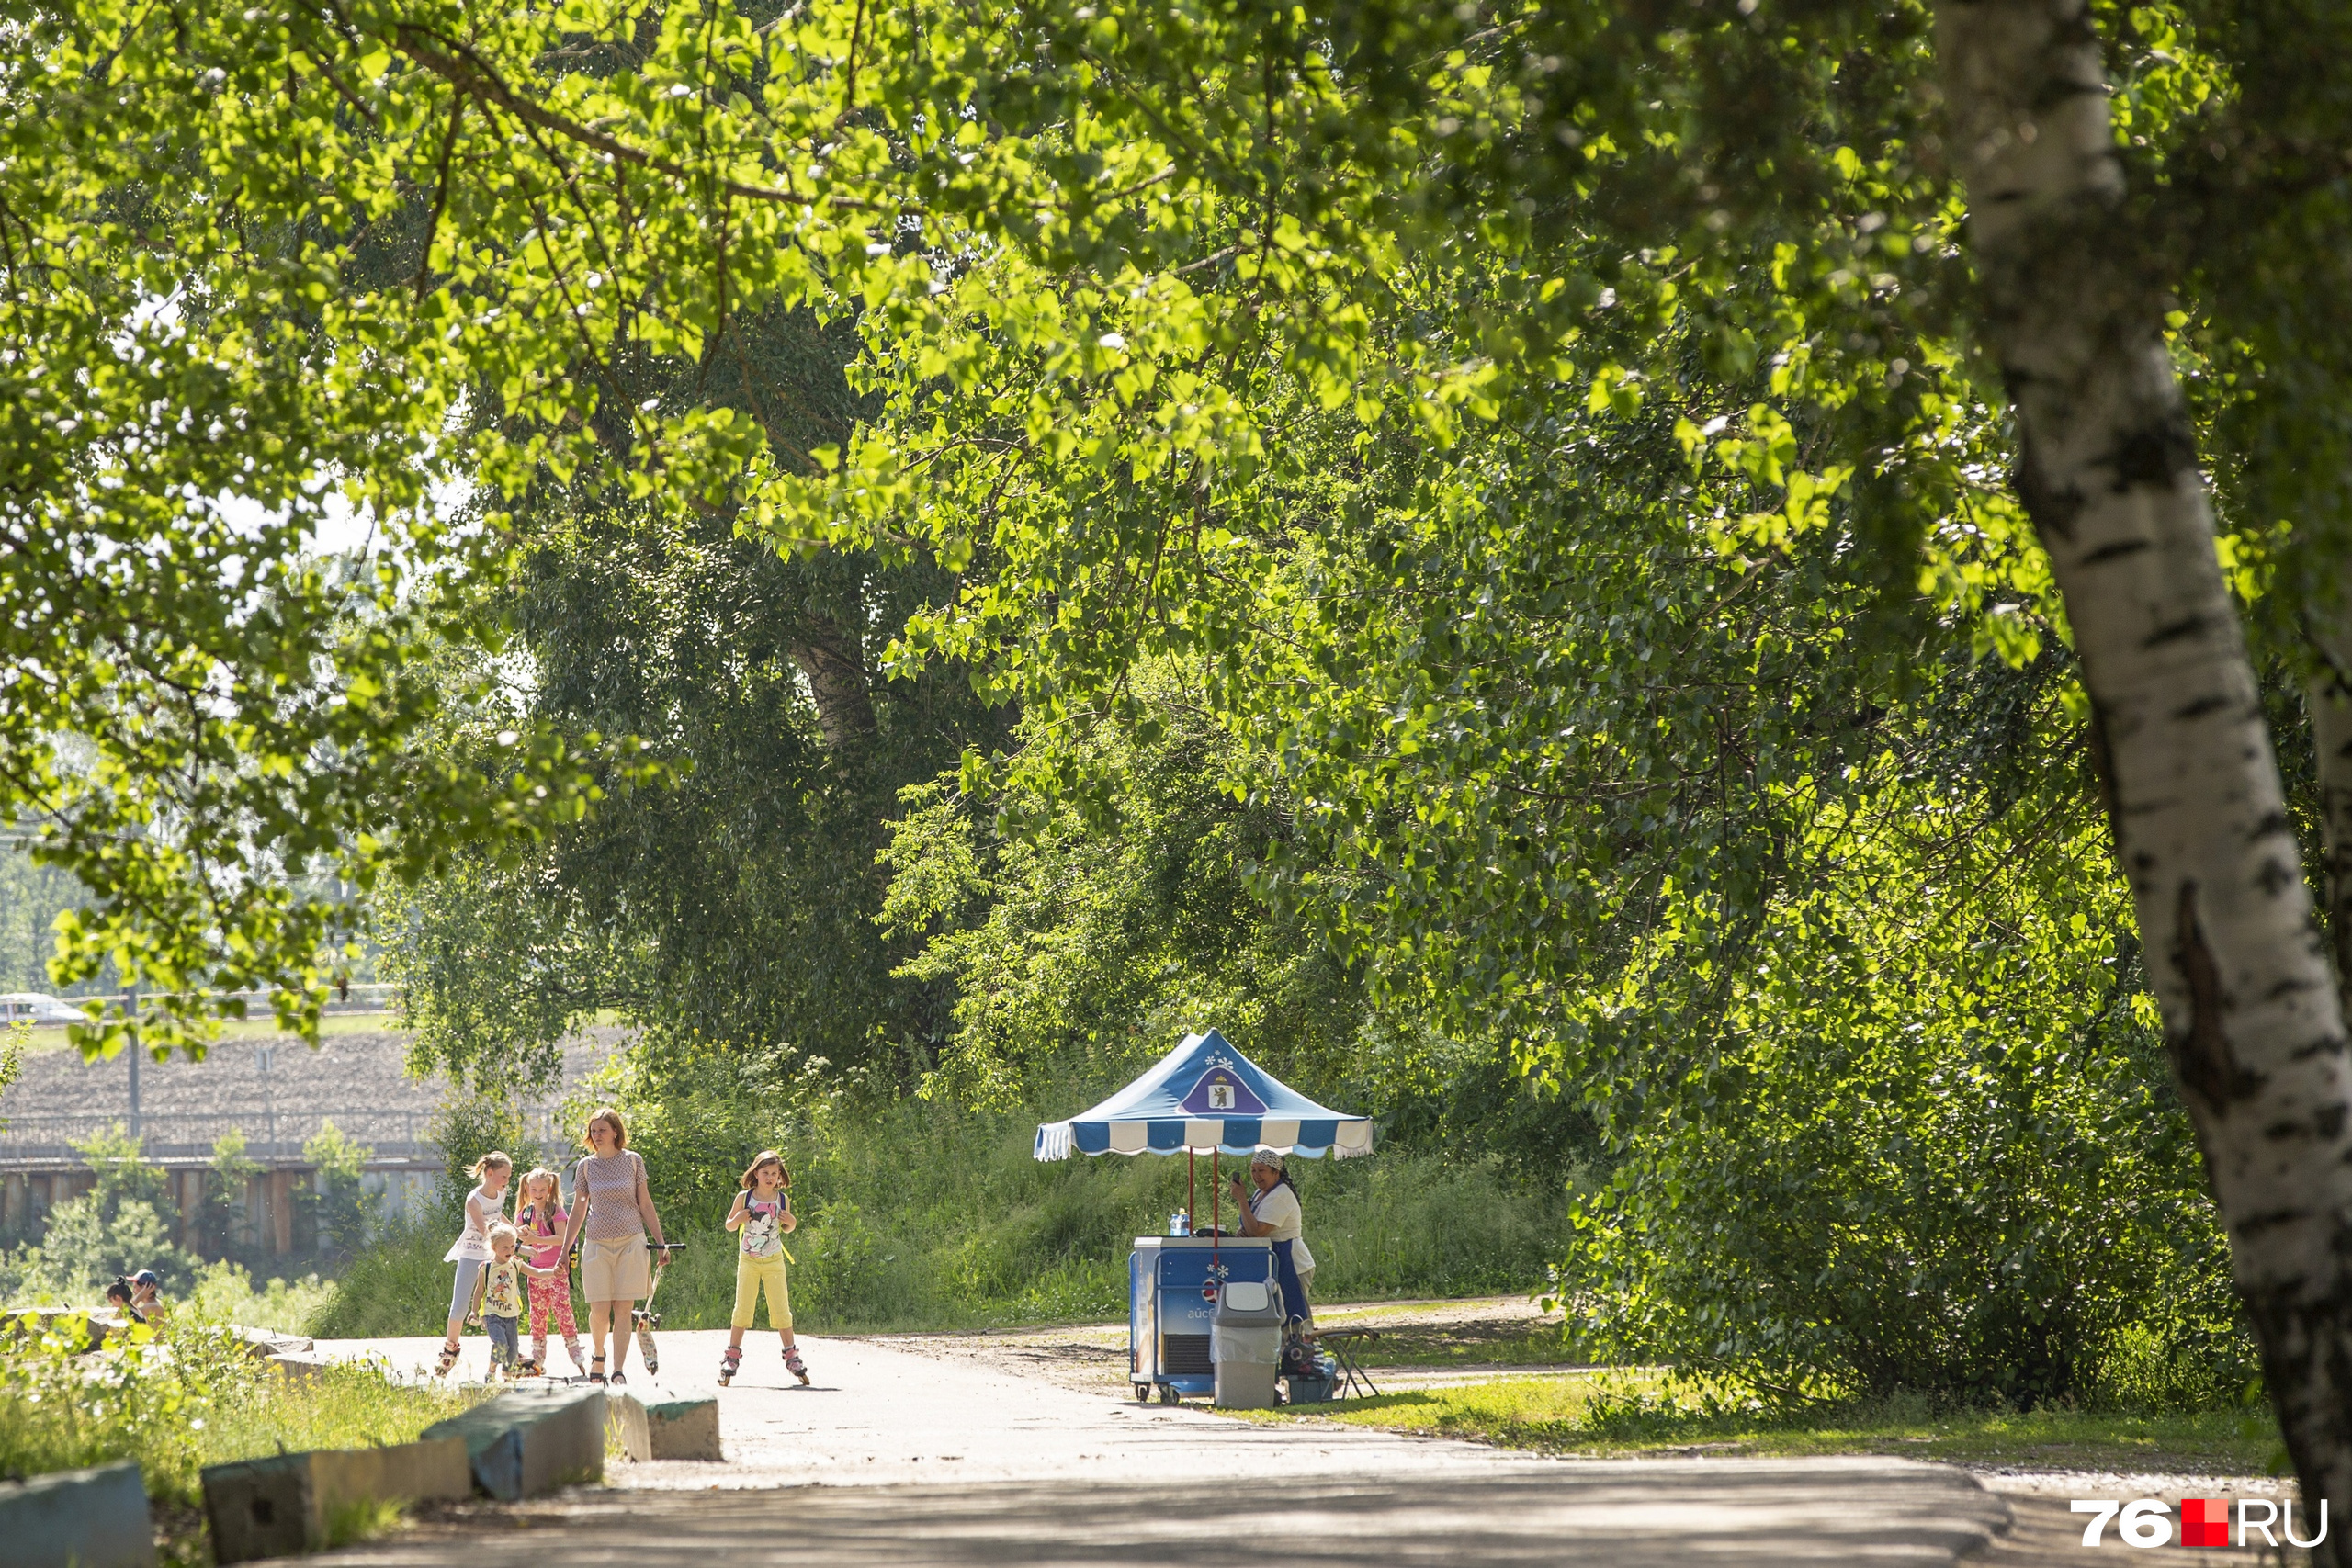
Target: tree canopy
1680, 530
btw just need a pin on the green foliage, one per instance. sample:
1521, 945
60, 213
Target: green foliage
31, 898
224, 1293
397, 1284
1934, 1148
1631, 1414
183, 1397
15, 1039
467, 1127
142, 1397
1081, 937
224, 1226
340, 1208
737, 900
1542, 441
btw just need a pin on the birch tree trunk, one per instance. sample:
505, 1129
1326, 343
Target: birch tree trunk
2107, 468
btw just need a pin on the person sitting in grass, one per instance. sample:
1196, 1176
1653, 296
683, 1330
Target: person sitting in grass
147, 1295
499, 1298
762, 1213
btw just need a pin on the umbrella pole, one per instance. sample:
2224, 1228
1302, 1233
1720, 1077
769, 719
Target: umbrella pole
1216, 1224
1190, 1160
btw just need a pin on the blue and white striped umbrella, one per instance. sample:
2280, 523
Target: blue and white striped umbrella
1205, 1096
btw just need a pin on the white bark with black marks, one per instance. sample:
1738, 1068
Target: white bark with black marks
2107, 468
835, 667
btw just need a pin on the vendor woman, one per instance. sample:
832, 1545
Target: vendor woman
1269, 1206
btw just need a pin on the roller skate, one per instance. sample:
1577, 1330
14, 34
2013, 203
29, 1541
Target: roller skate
795, 1365
730, 1364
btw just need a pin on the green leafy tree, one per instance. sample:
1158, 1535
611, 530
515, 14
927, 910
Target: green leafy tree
224, 1225
1108, 257
341, 1210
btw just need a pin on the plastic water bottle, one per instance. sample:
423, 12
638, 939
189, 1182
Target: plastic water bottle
1179, 1223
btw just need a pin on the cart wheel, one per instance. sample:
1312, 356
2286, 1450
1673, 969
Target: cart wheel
1143, 1393
1168, 1394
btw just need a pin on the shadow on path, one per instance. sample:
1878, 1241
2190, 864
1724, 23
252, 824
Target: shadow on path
1628, 1516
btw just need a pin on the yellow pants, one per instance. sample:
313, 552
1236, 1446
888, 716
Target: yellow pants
751, 1273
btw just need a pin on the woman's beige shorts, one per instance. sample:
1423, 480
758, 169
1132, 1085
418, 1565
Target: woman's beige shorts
616, 1270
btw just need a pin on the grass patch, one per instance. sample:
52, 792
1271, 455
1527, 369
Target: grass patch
1631, 1414
1467, 1344
397, 1284
186, 1397
365, 1519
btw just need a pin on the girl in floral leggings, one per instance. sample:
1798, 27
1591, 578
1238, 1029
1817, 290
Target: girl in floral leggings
541, 1220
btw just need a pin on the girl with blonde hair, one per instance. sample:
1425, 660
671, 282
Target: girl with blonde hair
485, 1206
540, 1220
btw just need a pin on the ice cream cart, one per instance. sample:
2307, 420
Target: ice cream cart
1204, 1097
1172, 1287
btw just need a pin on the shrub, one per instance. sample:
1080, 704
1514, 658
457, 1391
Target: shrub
1929, 1158
224, 1293
342, 1210
187, 1395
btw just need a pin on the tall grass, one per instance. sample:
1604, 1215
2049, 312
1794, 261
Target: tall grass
184, 1396
920, 1216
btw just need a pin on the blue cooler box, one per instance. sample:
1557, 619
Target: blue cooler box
1172, 1298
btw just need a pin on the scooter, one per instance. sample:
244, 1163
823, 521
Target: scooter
647, 1319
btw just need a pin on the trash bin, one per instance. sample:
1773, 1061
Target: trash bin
1246, 1344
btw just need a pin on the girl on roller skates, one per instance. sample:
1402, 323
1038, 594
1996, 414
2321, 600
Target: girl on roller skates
539, 1219
763, 1214
485, 1206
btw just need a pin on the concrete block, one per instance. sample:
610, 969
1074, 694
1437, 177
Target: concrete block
266, 1342
533, 1440
682, 1424
625, 1421
300, 1366
665, 1424
78, 1518
287, 1503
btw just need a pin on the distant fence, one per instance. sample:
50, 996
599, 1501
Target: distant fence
273, 1136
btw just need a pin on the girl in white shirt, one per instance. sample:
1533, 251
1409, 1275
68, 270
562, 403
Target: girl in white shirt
485, 1206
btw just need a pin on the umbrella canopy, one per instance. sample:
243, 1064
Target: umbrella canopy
1205, 1096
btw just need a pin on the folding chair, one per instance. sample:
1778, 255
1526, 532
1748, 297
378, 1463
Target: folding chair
1341, 1343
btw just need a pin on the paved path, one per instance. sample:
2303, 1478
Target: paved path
896, 1458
